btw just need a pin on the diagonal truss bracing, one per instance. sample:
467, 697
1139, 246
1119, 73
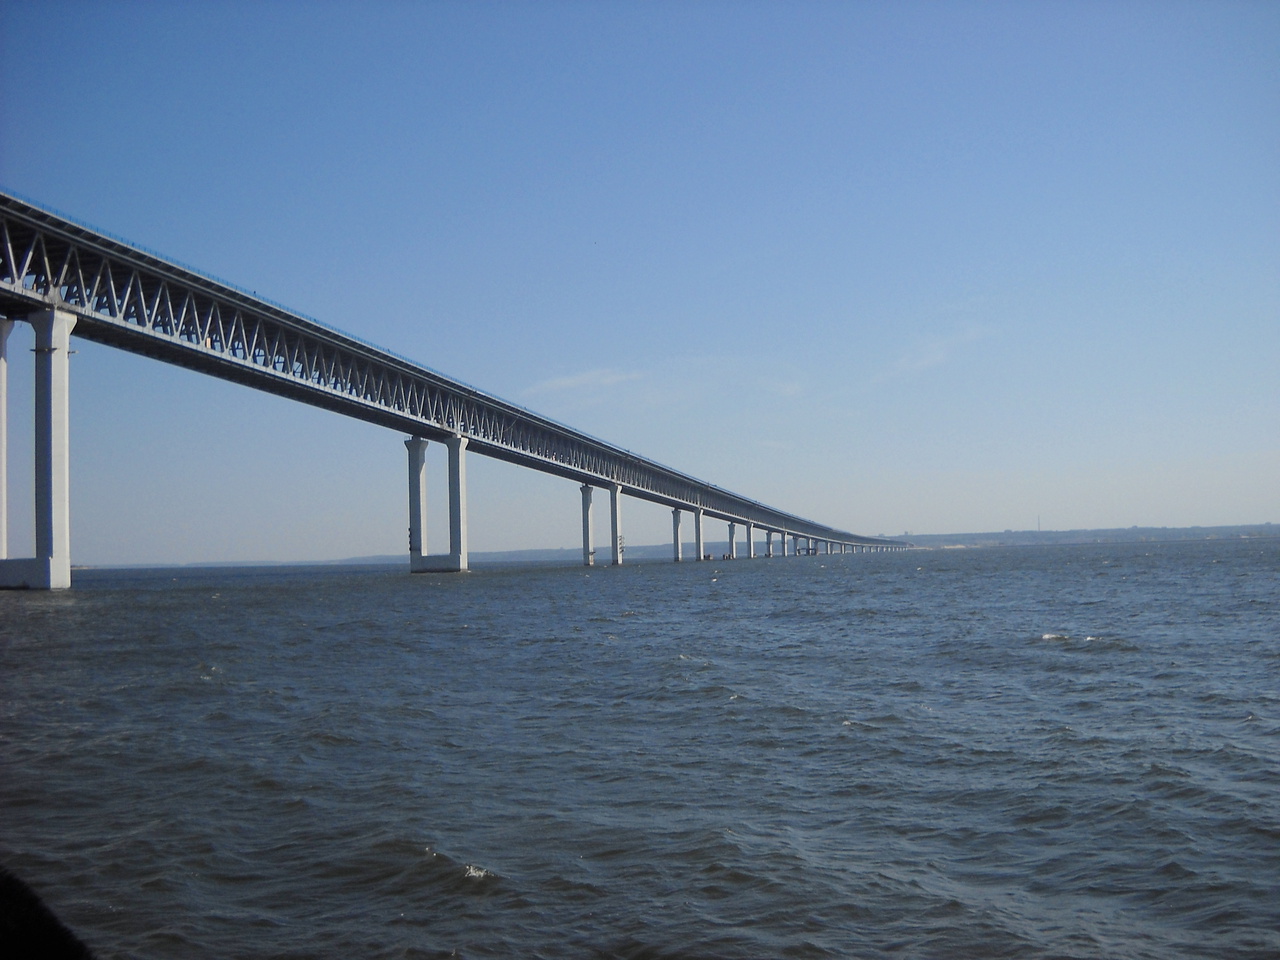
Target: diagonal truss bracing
134, 300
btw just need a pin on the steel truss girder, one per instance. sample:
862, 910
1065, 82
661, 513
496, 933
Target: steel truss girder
131, 299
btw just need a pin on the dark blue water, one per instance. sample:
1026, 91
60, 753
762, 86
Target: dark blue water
1030, 752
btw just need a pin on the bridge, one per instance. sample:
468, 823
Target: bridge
65, 278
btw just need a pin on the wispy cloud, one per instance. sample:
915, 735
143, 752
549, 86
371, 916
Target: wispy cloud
784, 388
587, 380
931, 353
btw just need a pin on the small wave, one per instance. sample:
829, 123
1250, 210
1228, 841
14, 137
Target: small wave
859, 725
458, 876
1089, 642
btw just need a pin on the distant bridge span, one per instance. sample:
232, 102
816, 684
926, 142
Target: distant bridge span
63, 277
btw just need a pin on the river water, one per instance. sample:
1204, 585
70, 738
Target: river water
1068, 751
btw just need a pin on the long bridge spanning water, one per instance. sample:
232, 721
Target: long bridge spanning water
65, 278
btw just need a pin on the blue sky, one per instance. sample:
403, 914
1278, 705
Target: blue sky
927, 267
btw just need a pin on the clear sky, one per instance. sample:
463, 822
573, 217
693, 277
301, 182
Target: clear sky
928, 267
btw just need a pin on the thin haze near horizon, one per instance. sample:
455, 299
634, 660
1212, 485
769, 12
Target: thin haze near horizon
890, 266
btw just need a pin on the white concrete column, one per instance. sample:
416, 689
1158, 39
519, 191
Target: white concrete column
676, 547
588, 535
6, 326
733, 541
697, 534
768, 543
615, 522
783, 537
53, 448
417, 448
751, 541
50, 569
458, 552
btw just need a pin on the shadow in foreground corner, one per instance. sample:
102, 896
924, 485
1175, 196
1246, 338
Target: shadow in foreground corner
29, 930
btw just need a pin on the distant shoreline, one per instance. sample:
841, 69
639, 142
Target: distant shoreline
652, 552
1012, 538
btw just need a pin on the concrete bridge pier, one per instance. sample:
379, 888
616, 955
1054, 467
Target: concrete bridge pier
588, 537
458, 552
50, 568
677, 549
751, 543
783, 537
733, 541
457, 558
697, 534
417, 449
615, 521
768, 544
6, 327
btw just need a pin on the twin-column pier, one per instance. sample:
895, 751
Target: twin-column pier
456, 559
50, 568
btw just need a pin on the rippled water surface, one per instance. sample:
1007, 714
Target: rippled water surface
1031, 752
